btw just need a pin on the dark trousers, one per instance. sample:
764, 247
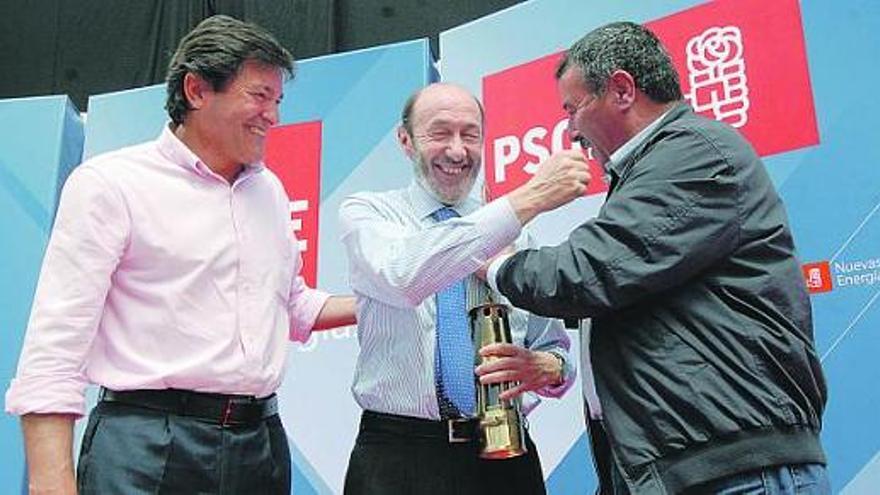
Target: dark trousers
385, 461
133, 450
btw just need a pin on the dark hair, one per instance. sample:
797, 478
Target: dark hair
624, 46
406, 113
215, 51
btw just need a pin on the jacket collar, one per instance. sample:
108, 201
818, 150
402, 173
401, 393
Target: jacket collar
622, 159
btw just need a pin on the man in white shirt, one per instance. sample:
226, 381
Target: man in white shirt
413, 252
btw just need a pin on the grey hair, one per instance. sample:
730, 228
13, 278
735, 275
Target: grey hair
624, 46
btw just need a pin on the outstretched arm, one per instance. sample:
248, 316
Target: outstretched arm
677, 214
338, 311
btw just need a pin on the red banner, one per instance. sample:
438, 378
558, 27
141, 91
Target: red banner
524, 125
740, 61
744, 62
293, 153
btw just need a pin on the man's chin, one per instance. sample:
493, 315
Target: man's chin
441, 194
256, 158
451, 197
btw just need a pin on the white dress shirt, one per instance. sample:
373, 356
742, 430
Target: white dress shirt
399, 258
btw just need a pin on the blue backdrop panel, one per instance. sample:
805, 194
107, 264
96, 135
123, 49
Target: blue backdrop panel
40, 143
357, 98
830, 190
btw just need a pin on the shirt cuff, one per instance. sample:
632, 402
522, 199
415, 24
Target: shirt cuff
50, 395
493, 271
304, 313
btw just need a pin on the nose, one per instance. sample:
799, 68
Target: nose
456, 150
574, 134
271, 113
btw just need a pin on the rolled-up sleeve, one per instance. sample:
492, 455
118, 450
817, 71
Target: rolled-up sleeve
89, 236
305, 303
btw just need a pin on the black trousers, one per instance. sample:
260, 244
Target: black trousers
128, 449
385, 462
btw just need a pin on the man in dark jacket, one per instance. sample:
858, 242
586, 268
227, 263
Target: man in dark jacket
702, 339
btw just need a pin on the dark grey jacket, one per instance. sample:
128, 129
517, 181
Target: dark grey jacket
702, 338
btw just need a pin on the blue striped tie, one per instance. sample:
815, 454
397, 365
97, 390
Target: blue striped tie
454, 357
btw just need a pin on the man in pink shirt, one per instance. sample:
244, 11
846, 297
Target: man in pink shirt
171, 280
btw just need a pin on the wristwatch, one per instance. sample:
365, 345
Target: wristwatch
559, 357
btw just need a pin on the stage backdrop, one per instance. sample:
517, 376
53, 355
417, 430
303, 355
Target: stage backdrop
778, 72
789, 76
41, 143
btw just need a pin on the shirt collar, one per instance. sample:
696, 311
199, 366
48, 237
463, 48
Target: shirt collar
620, 155
176, 151
424, 203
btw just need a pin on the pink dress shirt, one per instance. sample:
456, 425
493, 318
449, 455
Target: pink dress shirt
159, 274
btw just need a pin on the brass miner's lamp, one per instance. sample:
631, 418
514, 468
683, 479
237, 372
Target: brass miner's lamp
500, 429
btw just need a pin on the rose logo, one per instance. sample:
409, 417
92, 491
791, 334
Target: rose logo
716, 46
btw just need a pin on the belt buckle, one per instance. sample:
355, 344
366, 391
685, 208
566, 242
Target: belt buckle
457, 430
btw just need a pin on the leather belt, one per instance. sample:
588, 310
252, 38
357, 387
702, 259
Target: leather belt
221, 409
457, 430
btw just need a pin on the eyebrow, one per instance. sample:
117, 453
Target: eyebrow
445, 122
268, 89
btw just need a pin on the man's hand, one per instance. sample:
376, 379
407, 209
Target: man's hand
48, 442
560, 179
511, 363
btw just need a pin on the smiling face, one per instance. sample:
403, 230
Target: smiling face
233, 121
446, 142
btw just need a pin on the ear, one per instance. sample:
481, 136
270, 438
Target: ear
195, 89
405, 142
622, 88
